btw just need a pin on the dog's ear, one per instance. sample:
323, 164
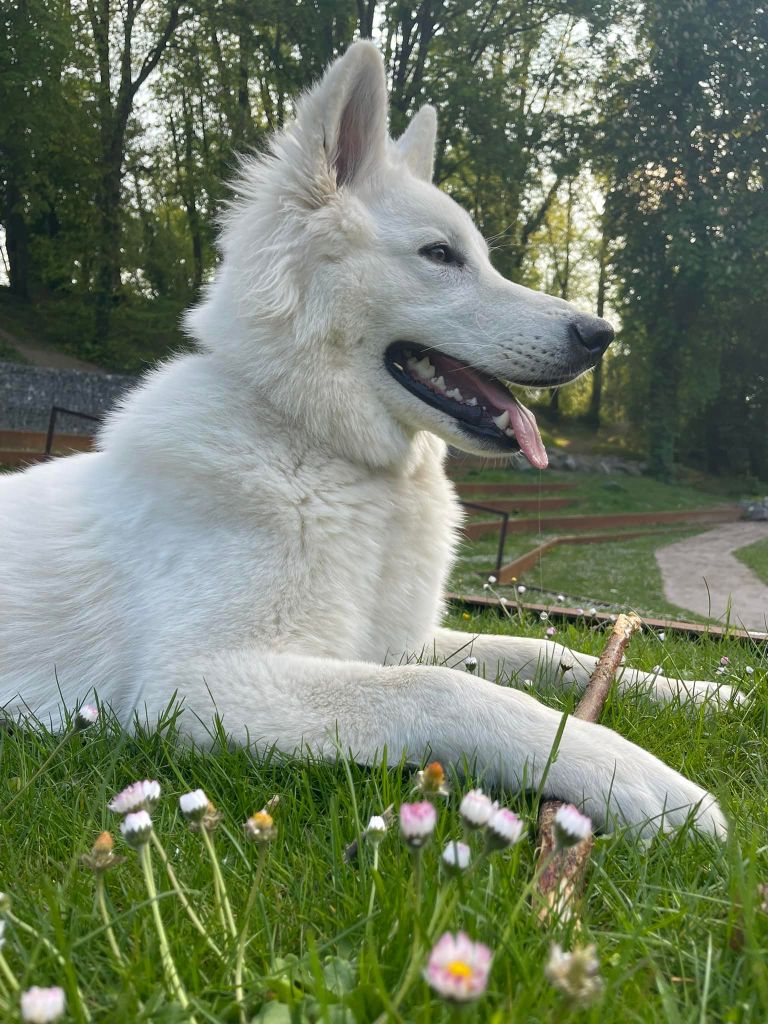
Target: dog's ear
417, 143
348, 107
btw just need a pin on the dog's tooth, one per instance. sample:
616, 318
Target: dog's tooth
510, 432
501, 421
425, 369
471, 401
413, 366
455, 394
440, 383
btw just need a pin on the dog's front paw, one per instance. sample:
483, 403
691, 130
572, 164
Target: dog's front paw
623, 785
716, 696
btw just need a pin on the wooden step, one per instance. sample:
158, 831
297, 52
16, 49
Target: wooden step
555, 524
521, 504
15, 459
34, 441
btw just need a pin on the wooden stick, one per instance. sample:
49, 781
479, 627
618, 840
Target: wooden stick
563, 875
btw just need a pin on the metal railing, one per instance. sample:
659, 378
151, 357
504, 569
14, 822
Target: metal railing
57, 410
504, 516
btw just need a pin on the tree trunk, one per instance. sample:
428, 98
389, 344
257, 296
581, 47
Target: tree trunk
190, 195
661, 413
114, 113
565, 288
366, 10
243, 132
108, 272
595, 399
16, 240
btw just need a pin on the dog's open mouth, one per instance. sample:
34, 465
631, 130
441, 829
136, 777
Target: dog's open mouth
480, 403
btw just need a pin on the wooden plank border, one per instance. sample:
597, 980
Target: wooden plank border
514, 570
550, 524
557, 611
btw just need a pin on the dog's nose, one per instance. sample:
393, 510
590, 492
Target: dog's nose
594, 334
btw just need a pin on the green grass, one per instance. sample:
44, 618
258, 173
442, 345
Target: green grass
9, 354
755, 557
619, 574
593, 492
676, 923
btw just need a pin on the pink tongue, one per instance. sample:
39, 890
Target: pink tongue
527, 433
521, 419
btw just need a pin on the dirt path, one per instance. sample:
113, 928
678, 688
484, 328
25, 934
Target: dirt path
700, 573
51, 358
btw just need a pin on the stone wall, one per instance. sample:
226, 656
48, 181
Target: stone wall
755, 509
28, 392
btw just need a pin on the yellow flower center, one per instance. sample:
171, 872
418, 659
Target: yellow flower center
459, 969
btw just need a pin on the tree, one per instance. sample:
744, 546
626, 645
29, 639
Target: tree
41, 121
120, 75
685, 133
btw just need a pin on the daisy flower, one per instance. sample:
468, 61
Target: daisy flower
431, 781
139, 796
85, 716
136, 828
40, 1005
260, 827
504, 829
193, 805
375, 830
102, 855
456, 856
575, 974
458, 968
476, 808
417, 823
571, 826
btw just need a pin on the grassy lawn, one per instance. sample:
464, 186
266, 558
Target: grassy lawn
620, 574
598, 492
676, 923
755, 556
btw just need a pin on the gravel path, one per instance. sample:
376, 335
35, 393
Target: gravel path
701, 574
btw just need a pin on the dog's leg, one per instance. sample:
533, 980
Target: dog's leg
515, 659
359, 708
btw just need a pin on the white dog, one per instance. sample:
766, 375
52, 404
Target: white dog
266, 528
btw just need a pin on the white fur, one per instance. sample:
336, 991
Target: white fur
267, 527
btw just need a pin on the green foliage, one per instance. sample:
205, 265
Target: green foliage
685, 143
755, 557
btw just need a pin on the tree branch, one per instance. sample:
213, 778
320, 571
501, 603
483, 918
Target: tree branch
563, 876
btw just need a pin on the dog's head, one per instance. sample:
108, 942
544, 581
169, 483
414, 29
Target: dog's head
362, 298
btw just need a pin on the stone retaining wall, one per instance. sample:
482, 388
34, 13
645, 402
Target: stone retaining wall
28, 392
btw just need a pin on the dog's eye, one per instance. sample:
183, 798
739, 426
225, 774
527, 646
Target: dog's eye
441, 252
